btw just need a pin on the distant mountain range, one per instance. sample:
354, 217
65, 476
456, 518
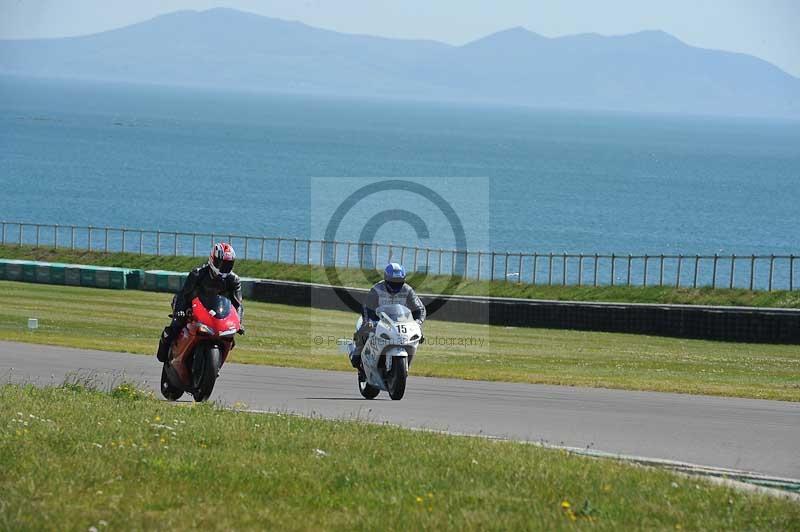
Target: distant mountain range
223, 48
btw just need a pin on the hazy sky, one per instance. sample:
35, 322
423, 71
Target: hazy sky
769, 29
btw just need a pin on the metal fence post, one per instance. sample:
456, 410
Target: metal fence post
594, 271
308, 252
55, 236
493, 255
141, 242
580, 269
771, 264
479, 266
158, 243
696, 268
535, 260
644, 274
416, 251
347, 260
661, 271
714, 272
89, 238
439, 265
549, 269
20, 235
175, 246
427, 260
733, 269
194, 244
105, 240
278, 253
37, 236
564, 271
678, 274
4, 233
123, 240
519, 270
506, 267
246, 241
752, 271
629, 269
791, 272
613, 264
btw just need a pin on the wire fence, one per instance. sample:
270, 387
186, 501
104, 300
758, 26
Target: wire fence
753, 272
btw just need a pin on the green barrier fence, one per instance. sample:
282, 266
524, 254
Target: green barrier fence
69, 274
101, 276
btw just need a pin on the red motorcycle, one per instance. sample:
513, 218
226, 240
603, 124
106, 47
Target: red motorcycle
200, 350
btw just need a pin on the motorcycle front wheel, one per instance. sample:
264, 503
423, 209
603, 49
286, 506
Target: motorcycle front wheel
396, 379
205, 368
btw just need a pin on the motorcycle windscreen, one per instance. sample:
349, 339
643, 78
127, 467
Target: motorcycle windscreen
397, 313
218, 306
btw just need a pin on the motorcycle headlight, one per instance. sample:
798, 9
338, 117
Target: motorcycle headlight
206, 330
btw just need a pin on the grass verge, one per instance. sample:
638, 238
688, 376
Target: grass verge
433, 284
130, 321
72, 458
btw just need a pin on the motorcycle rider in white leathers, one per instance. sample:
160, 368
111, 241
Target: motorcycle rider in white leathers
392, 290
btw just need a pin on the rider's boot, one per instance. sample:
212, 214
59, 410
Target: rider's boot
163, 345
355, 358
355, 352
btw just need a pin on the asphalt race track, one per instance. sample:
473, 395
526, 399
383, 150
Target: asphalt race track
746, 434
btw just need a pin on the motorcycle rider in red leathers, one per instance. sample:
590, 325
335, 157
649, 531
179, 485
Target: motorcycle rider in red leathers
216, 277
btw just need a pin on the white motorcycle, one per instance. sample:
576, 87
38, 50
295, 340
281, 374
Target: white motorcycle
388, 352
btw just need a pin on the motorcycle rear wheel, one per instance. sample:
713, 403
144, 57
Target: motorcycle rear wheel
170, 392
367, 390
